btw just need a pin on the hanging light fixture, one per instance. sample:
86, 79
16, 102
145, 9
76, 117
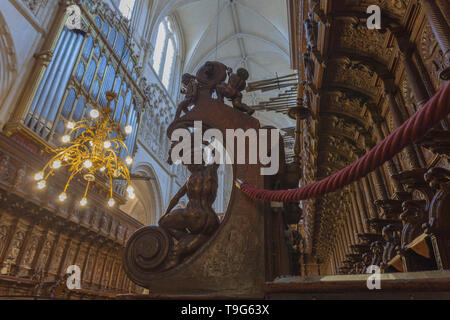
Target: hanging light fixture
94, 151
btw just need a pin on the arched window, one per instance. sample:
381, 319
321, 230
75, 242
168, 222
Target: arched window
126, 8
164, 55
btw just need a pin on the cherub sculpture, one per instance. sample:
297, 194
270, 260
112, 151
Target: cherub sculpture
237, 82
190, 90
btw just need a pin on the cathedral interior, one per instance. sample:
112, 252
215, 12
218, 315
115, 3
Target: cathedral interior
91, 92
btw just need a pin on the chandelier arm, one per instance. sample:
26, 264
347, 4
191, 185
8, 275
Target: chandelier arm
115, 160
110, 187
126, 172
53, 159
78, 125
70, 179
87, 188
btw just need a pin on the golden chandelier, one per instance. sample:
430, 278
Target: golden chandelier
95, 150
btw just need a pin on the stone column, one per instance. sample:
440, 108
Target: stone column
333, 263
389, 164
398, 121
441, 31
362, 205
369, 199
346, 231
339, 251
352, 222
359, 226
343, 251
380, 188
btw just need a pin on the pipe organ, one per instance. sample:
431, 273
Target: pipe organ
73, 72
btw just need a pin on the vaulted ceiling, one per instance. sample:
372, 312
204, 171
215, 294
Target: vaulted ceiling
252, 34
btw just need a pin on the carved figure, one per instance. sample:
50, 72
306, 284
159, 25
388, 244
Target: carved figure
439, 179
39, 278
211, 74
193, 225
392, 239
20, 178
4, 170
190, 90
311, 30
309, 67
377, 252
237, 82
413, 216
59, 288
3, 235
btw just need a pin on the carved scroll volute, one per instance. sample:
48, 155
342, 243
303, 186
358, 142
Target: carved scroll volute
147, 249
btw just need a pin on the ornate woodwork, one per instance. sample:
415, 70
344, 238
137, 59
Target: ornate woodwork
366, 83
228, 258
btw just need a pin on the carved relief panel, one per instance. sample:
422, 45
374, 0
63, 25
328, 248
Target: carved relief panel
431, 55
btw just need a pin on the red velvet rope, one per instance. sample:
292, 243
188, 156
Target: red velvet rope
413, 129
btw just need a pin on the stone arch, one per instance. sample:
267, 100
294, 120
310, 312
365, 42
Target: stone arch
8, 62
147, 207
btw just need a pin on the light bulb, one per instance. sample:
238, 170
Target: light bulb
62, 197
70, 125
107, 144
129, 160
94, 113
131, 195
39, 176
65, 139
91, 143
88, 164
102, 169
42, 184
130, 189
128, 129
56, 164
83, 202
111, 202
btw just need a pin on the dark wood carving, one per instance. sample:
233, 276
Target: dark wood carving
184, 230
39, 238
227, 260
439, 215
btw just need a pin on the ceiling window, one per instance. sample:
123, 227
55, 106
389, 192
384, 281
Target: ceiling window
126, 8
164, 55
